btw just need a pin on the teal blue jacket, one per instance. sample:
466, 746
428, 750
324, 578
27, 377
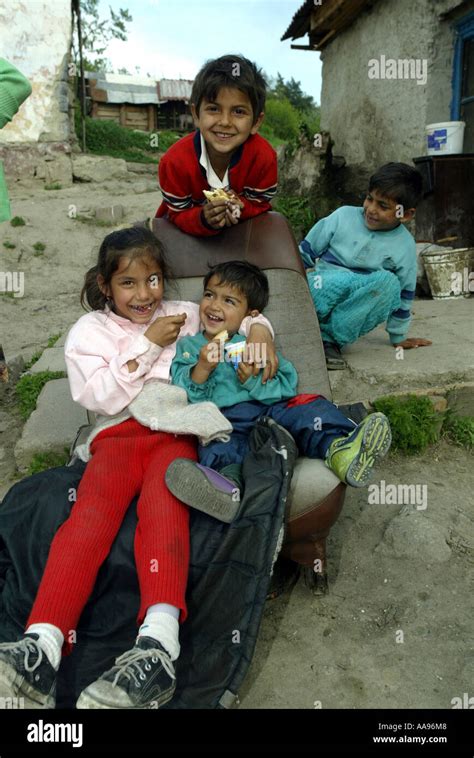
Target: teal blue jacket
223, 387
343, 239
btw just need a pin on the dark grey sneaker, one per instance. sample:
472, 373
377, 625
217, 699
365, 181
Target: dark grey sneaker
143, 677
334, 359
27, 674
203, 488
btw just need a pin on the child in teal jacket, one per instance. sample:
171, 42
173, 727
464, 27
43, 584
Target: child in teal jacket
366, 265
209, 368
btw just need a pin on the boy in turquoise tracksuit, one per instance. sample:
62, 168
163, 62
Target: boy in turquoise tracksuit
14, 88
366, 269
205, 367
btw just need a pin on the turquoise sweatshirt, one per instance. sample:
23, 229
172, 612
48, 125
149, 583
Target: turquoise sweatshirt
223, 387
343, 239
14, 88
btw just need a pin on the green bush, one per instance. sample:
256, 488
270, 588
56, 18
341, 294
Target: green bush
413, 420
282, 120
29, 387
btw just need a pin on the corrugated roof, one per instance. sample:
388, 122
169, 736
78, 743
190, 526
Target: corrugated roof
138, 90
324, 22
174, 89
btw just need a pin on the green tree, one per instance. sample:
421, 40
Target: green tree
97, 33
291, 90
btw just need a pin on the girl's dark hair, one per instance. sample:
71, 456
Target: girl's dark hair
399, 182
134, 242
249, 279
230, 71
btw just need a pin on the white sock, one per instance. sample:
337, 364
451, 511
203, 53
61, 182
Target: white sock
163, 625
50, 640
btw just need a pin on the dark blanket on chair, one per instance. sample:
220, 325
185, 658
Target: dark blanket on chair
229, 576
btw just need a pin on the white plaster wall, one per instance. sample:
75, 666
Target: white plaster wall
35, 36
375, 121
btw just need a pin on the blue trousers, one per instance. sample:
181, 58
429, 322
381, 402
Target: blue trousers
313, 424
350, 304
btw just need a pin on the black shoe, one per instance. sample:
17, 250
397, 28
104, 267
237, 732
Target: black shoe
26, 674
334, 359
143, 677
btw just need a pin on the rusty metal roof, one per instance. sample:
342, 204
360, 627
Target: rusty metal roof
174, 89
324, 22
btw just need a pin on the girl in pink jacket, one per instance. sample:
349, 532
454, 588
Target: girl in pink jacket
127, 339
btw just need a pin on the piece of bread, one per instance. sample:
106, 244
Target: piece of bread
216, 194
224, 335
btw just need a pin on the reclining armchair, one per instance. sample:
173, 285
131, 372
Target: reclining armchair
316, 494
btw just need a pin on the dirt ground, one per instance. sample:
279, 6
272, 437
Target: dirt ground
395, 630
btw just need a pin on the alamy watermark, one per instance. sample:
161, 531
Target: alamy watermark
400, 68
398, 494
13, 281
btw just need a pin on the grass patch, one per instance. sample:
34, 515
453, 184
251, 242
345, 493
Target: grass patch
39, 248
29, 387
459, 430
53, 186
36, 356
297, 211
109, 138
44, 461
52, 340
9, 245
17, 221
10, 295
414, 422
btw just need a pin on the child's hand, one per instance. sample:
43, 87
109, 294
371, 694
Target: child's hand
412, 342
244, 371
210, 355
164, 331
215, 213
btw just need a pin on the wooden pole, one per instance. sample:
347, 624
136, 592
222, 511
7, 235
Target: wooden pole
77, 9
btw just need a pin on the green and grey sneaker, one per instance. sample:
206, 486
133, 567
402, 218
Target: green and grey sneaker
27, 674
143, 677
352, 458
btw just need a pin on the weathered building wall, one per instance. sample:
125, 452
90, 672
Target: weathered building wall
36, 38
373, 121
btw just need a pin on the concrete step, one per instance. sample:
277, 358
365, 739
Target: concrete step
52, 359
376, 369
52, 426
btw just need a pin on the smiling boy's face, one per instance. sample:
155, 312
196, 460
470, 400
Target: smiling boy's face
223, 306
226, 122
381, 213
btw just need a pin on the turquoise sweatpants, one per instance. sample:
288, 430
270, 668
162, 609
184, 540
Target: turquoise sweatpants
350, 304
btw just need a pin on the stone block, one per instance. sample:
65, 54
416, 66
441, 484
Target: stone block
461, 399
59, 170
98, 168
52, 426
52, 359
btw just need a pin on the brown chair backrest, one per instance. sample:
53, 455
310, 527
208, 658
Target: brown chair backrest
268, 242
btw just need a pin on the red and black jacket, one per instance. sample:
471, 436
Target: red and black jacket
252, 176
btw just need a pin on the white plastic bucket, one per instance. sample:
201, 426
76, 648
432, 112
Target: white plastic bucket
445, 138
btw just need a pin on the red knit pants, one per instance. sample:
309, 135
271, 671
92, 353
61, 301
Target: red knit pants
127, 459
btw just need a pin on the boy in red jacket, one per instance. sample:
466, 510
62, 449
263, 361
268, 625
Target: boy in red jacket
225, 153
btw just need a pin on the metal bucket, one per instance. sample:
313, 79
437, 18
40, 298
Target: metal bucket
448, 272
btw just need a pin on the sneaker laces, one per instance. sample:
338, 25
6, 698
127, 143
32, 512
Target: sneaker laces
130, 664
31, 646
